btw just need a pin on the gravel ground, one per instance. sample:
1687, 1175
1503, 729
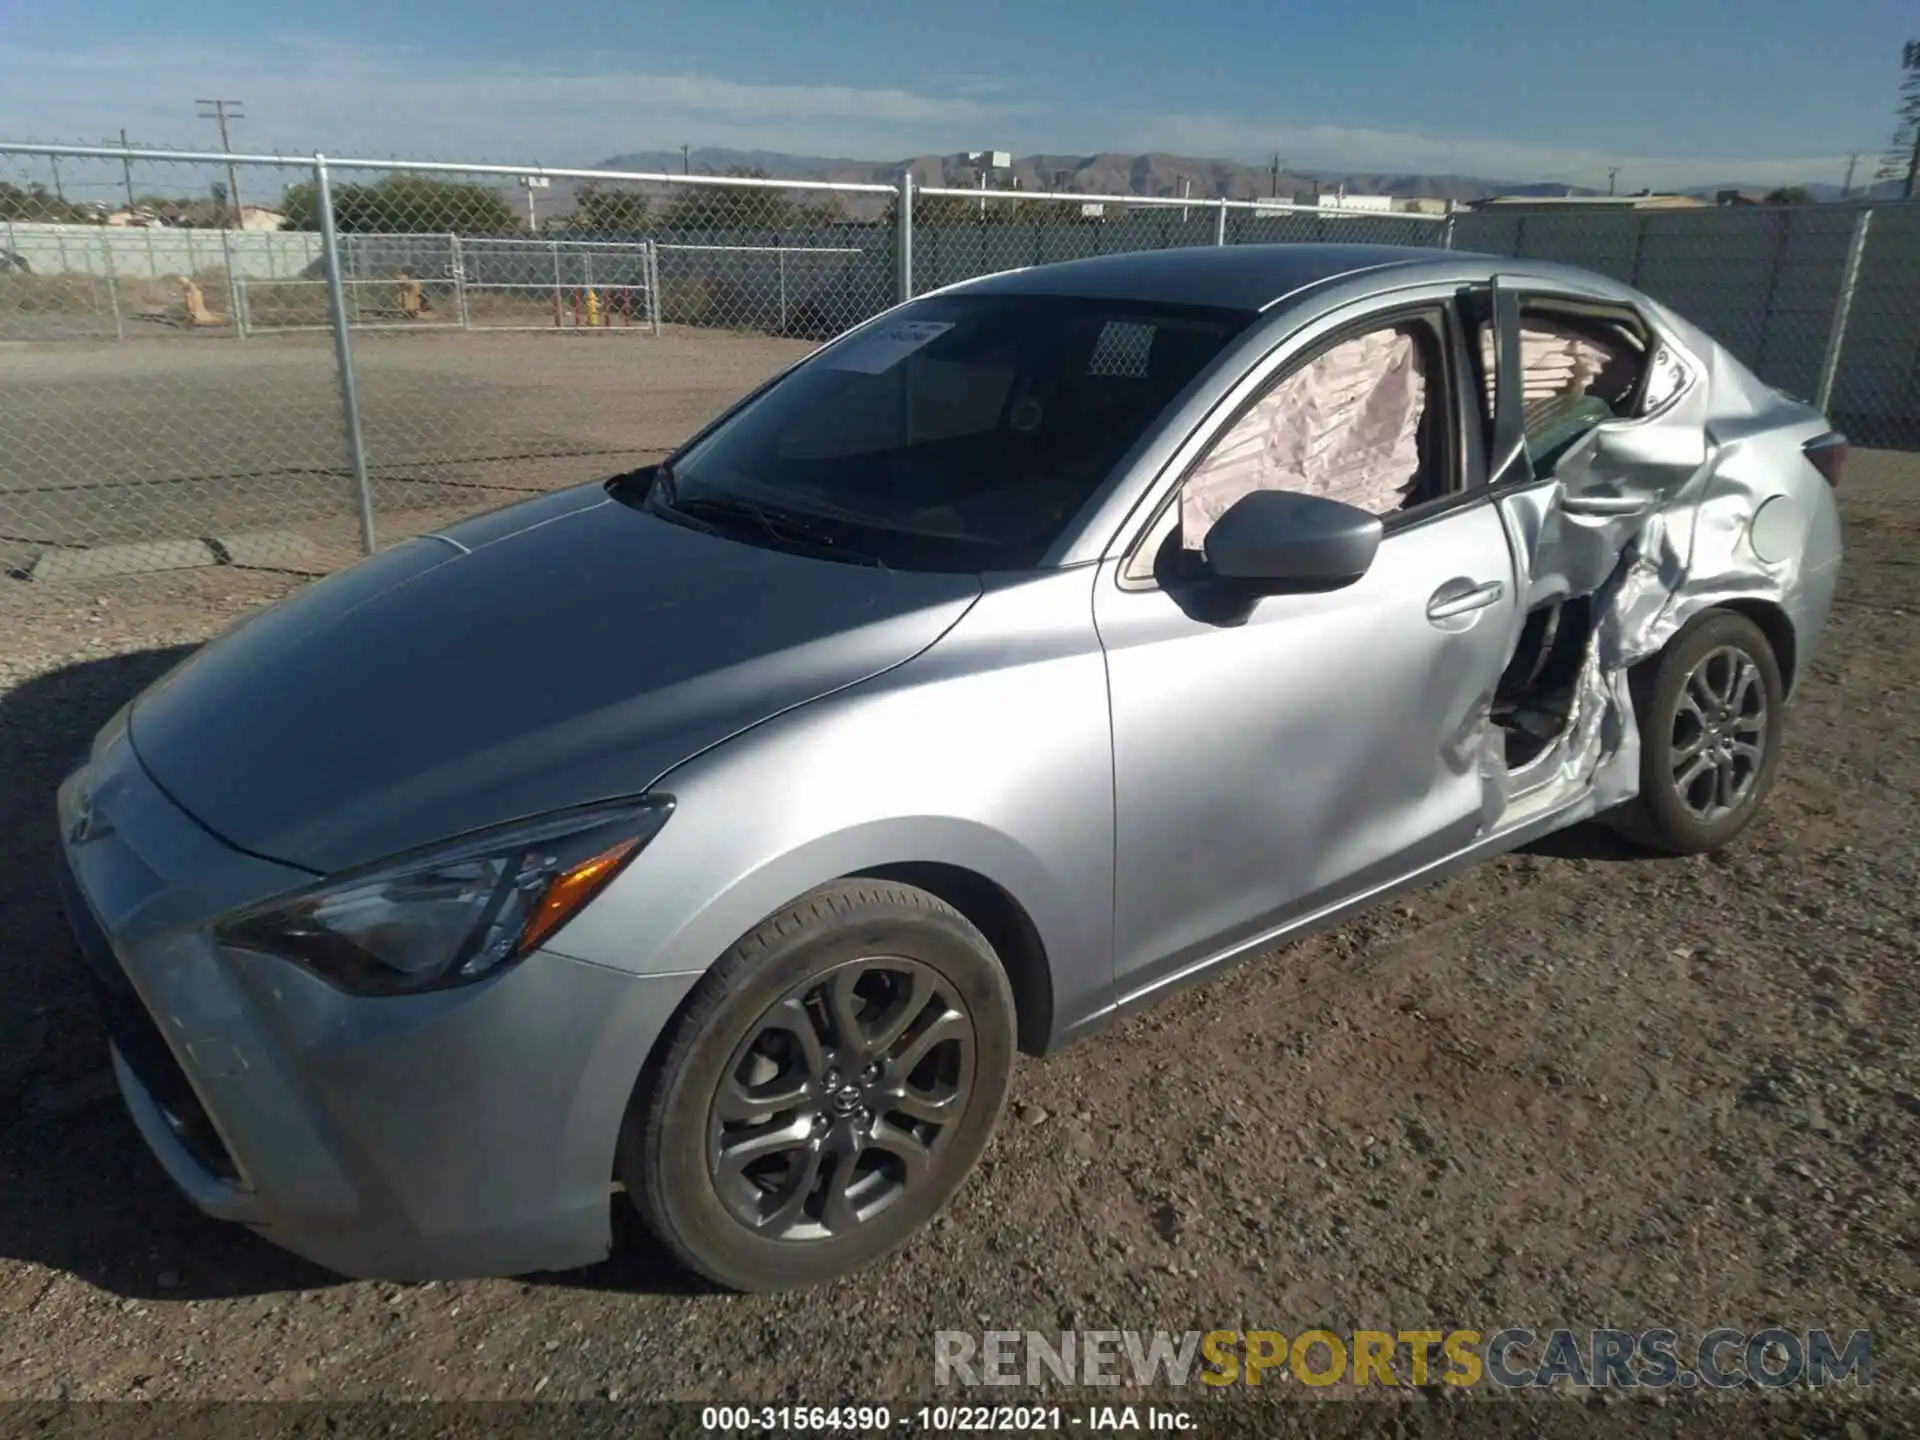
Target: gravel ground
1575, 1086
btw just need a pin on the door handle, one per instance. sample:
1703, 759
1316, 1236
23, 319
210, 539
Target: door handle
1450, 600
1614, 505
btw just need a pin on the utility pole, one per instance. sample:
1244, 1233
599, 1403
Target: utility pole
686, 160
1846, 188
1613, 174
1273, 191
126, 167
223, 111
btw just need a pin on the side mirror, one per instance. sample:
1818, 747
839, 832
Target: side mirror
1274, 540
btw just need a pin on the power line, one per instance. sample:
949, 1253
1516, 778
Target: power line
223, 111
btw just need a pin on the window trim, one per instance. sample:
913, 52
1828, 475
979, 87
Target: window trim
1463, 480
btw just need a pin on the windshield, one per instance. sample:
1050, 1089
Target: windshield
961, 432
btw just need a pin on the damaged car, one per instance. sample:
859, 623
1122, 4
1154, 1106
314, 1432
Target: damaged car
710, 839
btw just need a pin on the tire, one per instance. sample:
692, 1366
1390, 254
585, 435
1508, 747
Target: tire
825, 1090
1668, 696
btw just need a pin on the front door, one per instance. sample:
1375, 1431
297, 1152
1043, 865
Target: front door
1274, 755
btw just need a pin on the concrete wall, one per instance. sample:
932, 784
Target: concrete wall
155, 253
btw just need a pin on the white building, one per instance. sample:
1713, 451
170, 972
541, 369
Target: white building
1340, 200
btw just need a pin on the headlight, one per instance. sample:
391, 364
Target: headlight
428, 921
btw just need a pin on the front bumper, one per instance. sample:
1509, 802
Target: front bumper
464, 1132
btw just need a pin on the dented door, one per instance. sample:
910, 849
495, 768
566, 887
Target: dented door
1271, 759
1614, 492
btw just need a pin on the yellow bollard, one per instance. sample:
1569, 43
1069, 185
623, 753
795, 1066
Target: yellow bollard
593, 308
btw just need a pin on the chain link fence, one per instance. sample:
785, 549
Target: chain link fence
256, 360
136, 431
959, 234
1876, 385
1822, 301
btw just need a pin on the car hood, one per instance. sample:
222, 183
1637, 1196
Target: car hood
567, 650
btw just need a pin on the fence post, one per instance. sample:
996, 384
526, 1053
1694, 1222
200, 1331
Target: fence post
1842, 308
903, 238
1220, 222
233, 287
113, 285
1783, 237
1446, 231
653, 284
783, 292
458, 264
343, 351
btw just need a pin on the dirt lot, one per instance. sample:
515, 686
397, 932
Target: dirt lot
187, 437
1577, 1086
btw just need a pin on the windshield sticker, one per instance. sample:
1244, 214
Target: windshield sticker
888, 346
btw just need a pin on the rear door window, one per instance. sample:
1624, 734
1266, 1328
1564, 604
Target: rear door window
1578, 368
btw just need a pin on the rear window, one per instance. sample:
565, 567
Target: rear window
963, 431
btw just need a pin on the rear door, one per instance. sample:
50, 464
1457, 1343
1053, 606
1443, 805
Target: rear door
1598, 432
1273, 756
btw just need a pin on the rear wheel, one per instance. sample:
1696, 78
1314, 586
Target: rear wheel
1711, 714
834, 1079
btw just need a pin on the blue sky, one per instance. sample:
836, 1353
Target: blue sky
1680, 92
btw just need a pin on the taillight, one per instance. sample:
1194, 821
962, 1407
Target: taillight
1828, 453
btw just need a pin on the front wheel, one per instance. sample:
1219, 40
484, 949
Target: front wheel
832, 1082
1711, 713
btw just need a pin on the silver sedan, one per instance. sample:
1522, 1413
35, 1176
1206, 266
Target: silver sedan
718, 833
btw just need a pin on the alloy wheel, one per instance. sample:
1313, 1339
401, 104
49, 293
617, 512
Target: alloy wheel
1719, 733
840, 1099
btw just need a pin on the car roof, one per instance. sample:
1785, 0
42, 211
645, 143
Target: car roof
1239, 277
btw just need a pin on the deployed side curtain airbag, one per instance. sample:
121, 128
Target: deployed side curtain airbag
1556, 363
1345, 425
